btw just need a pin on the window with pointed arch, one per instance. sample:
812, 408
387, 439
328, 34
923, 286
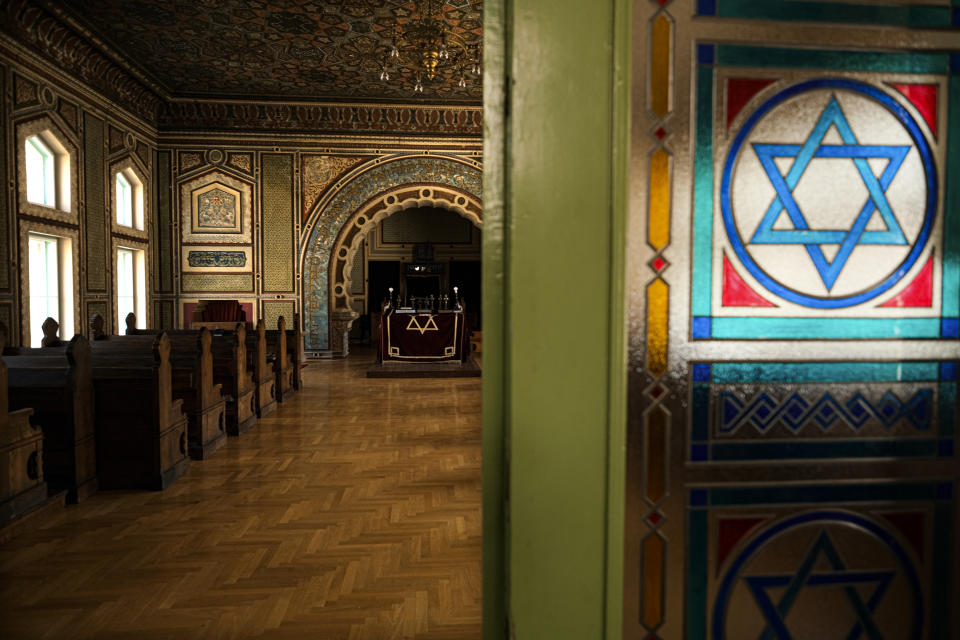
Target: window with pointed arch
47, 165
128, 199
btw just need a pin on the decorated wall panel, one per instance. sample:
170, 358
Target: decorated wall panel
96, 231
794, 274
278, 244
216, 207
216, 282
163, 281
4, 203
273, 310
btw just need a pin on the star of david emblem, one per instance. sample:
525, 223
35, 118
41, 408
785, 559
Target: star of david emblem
431, 325
784, 201
850, 584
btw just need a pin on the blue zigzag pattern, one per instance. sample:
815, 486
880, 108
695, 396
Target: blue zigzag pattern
765, 410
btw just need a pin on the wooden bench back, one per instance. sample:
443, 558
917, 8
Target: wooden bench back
257, 353
277, 344
227, 352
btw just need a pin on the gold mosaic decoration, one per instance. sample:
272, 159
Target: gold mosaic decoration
164, 279
4, 212
273, 310
116, 138
25, 92
92, 308
319, 172
189, 160
96, 204
241, 161
277, 222
216, 282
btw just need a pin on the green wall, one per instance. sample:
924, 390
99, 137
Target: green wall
554, 214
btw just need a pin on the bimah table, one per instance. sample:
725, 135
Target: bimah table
409, 335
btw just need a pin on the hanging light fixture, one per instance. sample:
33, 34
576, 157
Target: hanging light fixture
427, 49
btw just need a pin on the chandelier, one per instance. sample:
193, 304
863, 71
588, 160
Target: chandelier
426, 48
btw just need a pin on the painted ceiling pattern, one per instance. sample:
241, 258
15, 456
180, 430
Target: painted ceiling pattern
288, 49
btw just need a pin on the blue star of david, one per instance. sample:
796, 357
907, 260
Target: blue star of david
805, 577
803, 155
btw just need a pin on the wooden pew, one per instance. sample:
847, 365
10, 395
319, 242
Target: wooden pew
294, 339
295, 350
22, 488
229, 355
58, 384
283, 368
191, 363
264, 380
141, 430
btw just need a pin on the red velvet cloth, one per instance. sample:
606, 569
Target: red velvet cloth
423, 337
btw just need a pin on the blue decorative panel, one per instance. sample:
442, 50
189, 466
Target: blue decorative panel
824, 410
217, 258
776, 561
819, 211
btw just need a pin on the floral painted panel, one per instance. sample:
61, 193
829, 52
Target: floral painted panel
216, 209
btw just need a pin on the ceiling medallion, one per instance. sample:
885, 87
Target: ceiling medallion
426, 48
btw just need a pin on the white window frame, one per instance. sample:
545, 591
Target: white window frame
134, 282
63, 261
41, 177
128, 199
56, 168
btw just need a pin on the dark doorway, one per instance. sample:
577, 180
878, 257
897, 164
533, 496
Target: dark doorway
383, 274
465, 275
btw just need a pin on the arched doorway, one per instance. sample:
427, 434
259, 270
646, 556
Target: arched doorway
335, 229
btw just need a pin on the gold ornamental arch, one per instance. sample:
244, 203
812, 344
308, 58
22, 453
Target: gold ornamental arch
367, 218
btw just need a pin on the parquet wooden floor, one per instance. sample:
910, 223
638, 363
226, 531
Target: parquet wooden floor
352, 512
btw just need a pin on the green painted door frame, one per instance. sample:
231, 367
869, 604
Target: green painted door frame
557, 111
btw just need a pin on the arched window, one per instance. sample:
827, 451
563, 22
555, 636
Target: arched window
129, 199
41, 173
46, 171
124, 201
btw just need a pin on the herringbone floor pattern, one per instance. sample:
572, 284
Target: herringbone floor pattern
353, 512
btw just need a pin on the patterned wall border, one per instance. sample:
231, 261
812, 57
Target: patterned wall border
324, 225
323, 118
732, 421
656, 421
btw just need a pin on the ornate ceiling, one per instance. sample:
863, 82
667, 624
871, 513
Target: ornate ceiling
271, 49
